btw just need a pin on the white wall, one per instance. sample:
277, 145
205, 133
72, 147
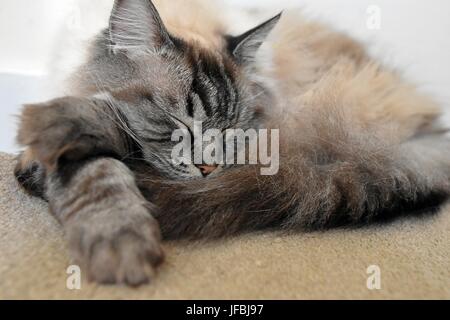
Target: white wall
414, 36
31, 29
27, 30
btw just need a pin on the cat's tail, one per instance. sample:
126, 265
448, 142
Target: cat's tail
332, 174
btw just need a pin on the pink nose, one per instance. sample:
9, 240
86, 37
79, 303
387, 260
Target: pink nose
207, 169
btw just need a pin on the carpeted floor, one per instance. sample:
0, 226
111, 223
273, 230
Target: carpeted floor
413, 254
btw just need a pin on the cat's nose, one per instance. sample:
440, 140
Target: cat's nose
206, 169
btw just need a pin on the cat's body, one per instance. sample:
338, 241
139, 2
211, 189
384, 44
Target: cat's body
356, 142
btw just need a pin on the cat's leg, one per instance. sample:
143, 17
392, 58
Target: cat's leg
109, 225
76, 127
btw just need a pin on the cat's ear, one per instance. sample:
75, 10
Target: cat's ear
245, 46
135, 25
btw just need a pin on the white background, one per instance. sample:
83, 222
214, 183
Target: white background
414, 37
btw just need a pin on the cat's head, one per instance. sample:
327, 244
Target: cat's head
162, 83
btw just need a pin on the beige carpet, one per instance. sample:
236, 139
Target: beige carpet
413, 254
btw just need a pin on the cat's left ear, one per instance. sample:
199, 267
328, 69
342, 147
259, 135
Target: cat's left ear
135, 25
245, 46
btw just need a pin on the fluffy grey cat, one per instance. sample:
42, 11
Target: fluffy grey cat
356, 142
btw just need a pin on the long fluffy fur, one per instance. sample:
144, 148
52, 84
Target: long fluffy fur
334, 172
358, 143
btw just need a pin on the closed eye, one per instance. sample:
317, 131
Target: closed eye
182, 124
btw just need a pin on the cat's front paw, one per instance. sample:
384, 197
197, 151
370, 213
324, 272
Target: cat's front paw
125, 249
68, 128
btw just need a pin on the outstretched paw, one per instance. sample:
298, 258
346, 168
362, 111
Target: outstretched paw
125, 248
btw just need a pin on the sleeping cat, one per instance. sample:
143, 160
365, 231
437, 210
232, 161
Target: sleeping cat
357, 143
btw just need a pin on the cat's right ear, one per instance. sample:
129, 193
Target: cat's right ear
136, 26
